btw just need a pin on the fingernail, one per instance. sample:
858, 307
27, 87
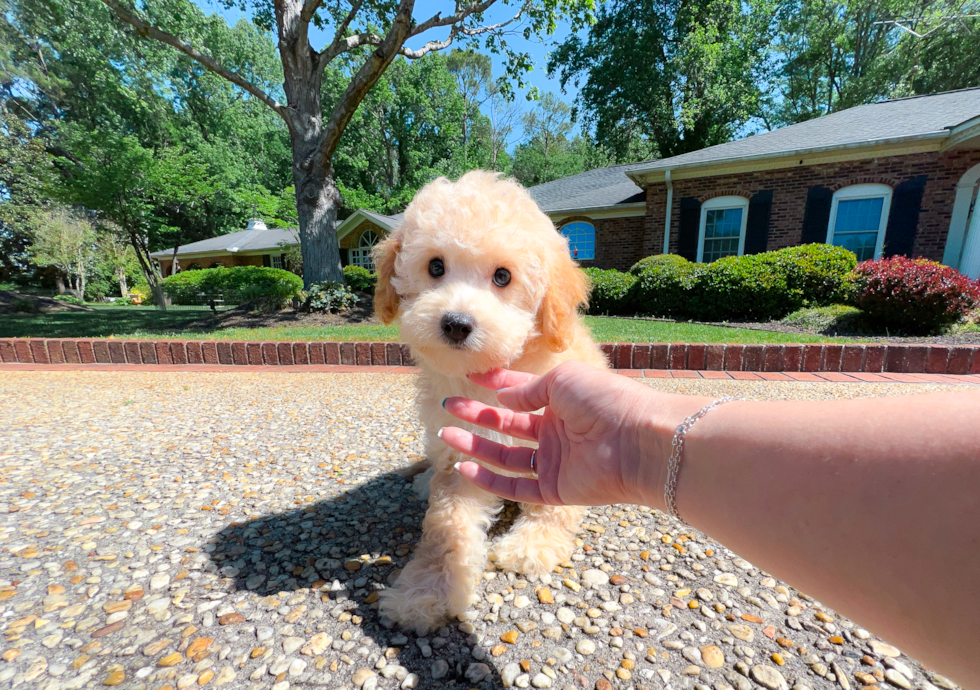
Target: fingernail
439, 433
501, 389
444, 403
456, 466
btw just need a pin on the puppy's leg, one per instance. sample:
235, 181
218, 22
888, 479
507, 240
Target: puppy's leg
440, 579
540, 539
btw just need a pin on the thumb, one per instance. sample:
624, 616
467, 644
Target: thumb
526, 397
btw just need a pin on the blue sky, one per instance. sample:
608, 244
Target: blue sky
538, 47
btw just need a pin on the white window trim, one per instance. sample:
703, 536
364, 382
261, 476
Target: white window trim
273, 258
717, 204
863, 191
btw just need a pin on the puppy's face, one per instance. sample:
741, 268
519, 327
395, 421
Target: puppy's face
475, 273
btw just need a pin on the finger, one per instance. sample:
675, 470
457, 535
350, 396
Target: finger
512, 459
521, 489
526, 397
523, 426
495, 379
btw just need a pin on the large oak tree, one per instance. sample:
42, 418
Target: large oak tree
368, 35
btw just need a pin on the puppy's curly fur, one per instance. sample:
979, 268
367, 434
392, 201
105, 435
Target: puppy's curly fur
475, 226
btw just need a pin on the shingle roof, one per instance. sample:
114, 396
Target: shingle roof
598, 188
242, 241
905, 118
384, 221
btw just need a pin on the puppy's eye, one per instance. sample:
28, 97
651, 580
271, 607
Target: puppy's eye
436, 268
501, 277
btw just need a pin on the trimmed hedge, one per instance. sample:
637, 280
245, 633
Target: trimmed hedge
267, 287
663, 286
758, 286
914, 296
610, 291
359, 278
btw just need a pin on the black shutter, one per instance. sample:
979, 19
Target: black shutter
816, 218
903, 219
757, 225
690, 221
267, 260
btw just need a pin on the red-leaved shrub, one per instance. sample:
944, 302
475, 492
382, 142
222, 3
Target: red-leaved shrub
914, 296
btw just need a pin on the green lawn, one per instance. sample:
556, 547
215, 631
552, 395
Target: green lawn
149, 323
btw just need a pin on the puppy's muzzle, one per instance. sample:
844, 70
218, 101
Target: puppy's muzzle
456, 327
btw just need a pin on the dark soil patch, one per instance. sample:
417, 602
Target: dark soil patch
964, 338
18, 302
245, 316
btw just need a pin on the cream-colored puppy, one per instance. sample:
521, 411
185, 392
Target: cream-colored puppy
478, 278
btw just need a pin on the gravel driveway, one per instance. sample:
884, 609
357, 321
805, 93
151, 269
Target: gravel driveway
177, 530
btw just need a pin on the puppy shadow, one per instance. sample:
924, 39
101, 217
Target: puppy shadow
333, 557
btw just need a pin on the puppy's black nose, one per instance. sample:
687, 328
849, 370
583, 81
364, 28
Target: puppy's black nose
457, 327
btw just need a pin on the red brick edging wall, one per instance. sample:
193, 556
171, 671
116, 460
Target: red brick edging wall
896, 358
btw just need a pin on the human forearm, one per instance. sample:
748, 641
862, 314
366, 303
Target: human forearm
835, 497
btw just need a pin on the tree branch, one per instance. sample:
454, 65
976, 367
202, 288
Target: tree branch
146, 29
309, 9
365, 78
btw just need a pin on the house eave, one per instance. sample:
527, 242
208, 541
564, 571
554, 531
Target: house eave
636, 208
880, 148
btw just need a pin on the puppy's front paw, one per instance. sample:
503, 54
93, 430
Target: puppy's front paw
529, 554
423, 599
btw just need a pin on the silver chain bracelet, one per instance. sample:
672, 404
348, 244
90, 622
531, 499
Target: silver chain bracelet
677, 453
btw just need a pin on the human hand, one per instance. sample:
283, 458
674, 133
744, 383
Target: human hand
603, 438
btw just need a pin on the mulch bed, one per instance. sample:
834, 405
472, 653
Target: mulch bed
18, 302
362, 313
972, 338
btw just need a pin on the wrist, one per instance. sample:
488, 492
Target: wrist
657, 424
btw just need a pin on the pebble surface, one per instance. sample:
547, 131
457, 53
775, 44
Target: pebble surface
182, 530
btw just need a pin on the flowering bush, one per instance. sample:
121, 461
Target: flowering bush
327, 296
914, 296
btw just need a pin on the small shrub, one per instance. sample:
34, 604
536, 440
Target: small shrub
742, 287
836, 318
610, 291
267, 287
69, 299
328, 296
663, 285
818, 273
914, 296
359, 278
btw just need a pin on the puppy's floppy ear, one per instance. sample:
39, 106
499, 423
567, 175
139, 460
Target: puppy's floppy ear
385, 298
568, 289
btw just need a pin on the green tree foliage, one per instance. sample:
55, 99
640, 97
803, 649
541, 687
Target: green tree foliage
550, 151
678, 75
65, 239
367, 38
829, 56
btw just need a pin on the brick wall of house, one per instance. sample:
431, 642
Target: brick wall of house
789, 187
350, 240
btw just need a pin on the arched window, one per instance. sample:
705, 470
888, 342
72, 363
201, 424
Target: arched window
362, 255
581, 239
722, 230
193, 266
858, 218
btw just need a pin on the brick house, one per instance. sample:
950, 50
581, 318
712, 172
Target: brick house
896, 177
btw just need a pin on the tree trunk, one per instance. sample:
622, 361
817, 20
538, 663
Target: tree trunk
317, 196
123, 285
146, 265
59, 283
317, 202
